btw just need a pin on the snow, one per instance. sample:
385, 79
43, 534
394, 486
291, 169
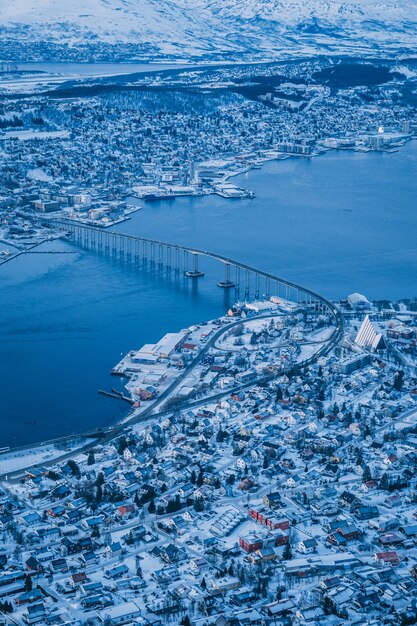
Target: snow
39, 174
22, 459
27, 135
181, 27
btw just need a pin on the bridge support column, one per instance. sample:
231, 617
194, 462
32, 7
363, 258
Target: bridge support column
226, 283
237, 279
137, 248
257, 286
247, 284
185, 261
195, 272
267, 288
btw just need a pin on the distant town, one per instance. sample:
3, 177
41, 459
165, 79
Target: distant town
93, 150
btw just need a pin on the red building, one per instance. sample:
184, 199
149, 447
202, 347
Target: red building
264, 517
250, 544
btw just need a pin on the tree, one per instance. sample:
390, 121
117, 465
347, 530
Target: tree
91, 458
136, 500
74, 469
28, 583
231, 479
99, 494
265, 463
221, 435
287, 554
399, 380
203, 584
151, 506
278, 395
185, 621
198, 504
366, 476
385, 483
100, 479
122, 445
200, 478
193, 477
328, 606
130, 540
238, 331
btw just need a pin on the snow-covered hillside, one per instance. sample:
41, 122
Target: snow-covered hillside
203, 27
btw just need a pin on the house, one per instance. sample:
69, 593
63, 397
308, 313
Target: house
121, 614
114, 549
366, 512
59, 565
30, 596
349, 501
116, 572
126, 511
387, 558
89, 558
292, 481
34, 614
186, 491
312, 614
367, 599
251, 543
340, 596
78, 578
307, 546
280, 608
34, 565
273, 500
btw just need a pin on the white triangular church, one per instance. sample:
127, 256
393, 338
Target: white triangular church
367, 336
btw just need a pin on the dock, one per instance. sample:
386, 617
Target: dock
117, 395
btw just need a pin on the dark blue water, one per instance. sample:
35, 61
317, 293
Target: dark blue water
338, 223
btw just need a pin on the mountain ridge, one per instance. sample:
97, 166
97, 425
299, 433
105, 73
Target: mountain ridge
205, 27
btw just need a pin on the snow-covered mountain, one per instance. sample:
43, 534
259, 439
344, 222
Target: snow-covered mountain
208, 27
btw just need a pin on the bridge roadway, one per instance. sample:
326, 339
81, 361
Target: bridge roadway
121, 243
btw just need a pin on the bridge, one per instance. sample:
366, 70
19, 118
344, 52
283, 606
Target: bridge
246, 280
179, 258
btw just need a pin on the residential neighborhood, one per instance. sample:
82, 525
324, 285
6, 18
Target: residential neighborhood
270, 493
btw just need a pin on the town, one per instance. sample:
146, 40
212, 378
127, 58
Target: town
96, 152
265, 475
